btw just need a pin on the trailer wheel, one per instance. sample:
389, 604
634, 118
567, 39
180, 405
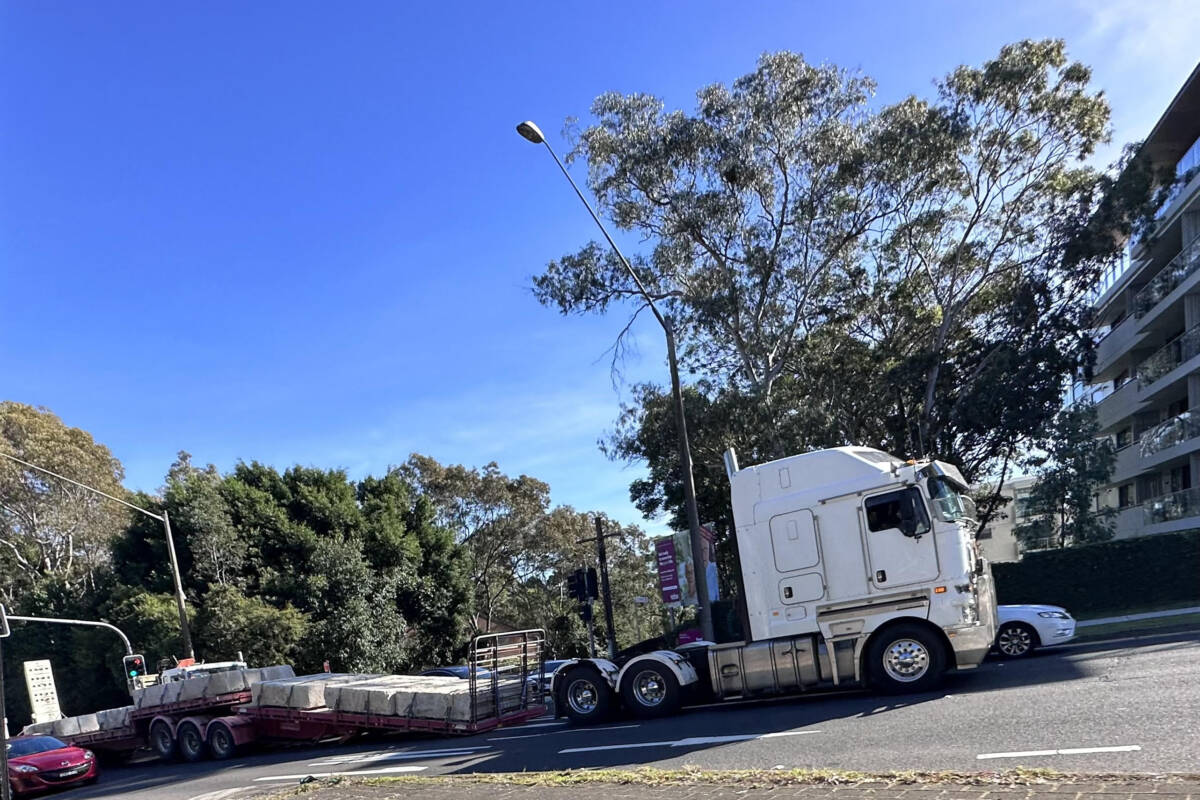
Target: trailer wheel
650, 690
585, 695
905, 658
220, 742
191, 742
162, 740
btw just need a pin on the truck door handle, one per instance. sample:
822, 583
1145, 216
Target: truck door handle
881, 576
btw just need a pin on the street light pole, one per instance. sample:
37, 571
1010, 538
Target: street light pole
533, 133
180, 600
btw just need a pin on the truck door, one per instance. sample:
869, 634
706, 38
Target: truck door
896, 559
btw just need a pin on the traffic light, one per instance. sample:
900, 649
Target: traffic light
135, 667
591, 588
577, 585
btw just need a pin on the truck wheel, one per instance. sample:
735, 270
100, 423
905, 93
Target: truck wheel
586, 697
162, 740
650, 690
1016, 640
191, 743
905, 658
220, 742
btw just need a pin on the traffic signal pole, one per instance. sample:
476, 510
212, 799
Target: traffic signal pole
5, 786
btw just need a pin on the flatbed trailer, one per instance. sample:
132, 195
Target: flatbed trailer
504, 684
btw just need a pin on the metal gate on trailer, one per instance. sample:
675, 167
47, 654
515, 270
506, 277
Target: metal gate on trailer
506, 672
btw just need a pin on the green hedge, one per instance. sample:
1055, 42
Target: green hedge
1111, 577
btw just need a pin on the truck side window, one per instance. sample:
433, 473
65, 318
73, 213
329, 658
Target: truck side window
883, 511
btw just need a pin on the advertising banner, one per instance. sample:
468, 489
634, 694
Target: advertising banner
677, 572
668, 581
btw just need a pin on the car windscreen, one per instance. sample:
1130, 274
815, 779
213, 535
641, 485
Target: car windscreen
33, 746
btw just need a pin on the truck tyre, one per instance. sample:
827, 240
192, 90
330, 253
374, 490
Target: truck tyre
585, 695
1016, 640
190, 741
650, 690
162, 740
905, 658
221, 743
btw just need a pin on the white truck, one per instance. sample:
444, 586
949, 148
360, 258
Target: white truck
858, 568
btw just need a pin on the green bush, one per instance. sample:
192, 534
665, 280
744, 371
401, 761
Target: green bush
1109, 577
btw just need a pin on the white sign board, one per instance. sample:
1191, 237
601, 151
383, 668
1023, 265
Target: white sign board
43, 696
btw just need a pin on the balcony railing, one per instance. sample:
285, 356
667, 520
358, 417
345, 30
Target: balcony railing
1183, 347
1177, 270
1171, 432
1173, 506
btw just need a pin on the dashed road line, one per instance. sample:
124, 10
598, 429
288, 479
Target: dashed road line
302, 775
220, 794
1069, 751
689, 742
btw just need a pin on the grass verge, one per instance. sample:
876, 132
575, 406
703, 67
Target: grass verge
742, 778
1181, 621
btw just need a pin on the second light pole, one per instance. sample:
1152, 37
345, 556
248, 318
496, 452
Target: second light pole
533, 133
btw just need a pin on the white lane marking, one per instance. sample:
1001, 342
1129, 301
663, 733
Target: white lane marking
219, 794
394, 755
1069, 751
573, 730
691, 742
303, 775
541, 724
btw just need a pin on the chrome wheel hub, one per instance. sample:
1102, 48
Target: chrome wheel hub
1014, 641
649, 688
906, 660
582, 696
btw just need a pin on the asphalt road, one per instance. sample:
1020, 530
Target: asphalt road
1134, 706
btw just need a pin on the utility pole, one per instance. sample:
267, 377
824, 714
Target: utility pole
185, 633
605, 591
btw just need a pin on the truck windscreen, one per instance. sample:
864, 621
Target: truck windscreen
950, 503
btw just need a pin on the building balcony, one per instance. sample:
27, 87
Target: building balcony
1156, 372
1170, 439
1172, 508
1118, 406
1178, 277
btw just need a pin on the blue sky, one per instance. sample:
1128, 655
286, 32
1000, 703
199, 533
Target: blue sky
304, 232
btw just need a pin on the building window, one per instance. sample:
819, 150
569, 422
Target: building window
1121, 379
986, 533
1124, 438
1177, 408
1021, 505
1181, 478
1125, 496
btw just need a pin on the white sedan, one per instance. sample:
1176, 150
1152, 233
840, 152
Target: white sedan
1022, 629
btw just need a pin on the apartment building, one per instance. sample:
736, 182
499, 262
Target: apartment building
997, 539
1147, 376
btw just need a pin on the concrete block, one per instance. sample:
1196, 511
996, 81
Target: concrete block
88, 723
149, 696
114, 718
304, 691
220, 683
192, 688
38, 728
68, 726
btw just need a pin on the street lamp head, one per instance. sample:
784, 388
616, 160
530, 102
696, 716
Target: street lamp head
531, 132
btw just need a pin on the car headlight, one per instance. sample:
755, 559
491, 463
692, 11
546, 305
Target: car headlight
25, 768
88, 755
1054, 614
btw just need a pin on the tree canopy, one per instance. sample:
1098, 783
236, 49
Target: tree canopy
912, 277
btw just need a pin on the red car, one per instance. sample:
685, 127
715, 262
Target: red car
38, 763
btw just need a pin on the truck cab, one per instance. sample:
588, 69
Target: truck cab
858, 568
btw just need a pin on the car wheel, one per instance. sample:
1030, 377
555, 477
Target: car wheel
586, 696
905, 658
162, 740
650, 690
1016, 640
